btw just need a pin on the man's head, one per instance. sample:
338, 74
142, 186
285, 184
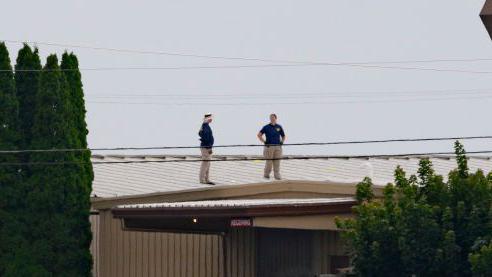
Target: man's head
207, 118
273, 118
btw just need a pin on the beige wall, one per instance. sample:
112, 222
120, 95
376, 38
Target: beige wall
240, 253
306, 222
131, 253
147, 254
94, 220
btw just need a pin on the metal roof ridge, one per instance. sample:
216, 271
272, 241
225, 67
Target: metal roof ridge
246, 157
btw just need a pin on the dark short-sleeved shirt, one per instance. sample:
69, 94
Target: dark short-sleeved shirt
273, 133
206, 136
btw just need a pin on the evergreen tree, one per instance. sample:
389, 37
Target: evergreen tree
481, 261
52, 195
9, 175
80, 208
20, 259
27, 84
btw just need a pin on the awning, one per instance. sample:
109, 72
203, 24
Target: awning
221, 215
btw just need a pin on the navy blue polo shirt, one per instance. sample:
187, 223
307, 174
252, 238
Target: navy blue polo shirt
272, 133
206, 136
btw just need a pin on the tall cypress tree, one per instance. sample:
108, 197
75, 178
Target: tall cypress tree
79, 209
52, 196
19, 257
27, 84
9, 175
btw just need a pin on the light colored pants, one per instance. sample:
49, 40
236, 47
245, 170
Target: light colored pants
272, 152
205, 167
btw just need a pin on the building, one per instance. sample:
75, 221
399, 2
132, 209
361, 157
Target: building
151, 217
486, 16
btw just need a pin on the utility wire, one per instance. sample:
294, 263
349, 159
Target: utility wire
293, 95
371, 65
426, 154
242, 145
297, 102
169, 53
364, 66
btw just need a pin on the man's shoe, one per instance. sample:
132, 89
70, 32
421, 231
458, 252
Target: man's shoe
210, 183
278, 178
266, 177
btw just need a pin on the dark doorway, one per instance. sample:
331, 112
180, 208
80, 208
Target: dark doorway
284, 253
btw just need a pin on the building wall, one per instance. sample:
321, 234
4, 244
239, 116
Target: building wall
241, 252
94, 220
147, 254
119, 252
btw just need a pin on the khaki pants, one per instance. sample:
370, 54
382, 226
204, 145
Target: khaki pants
205, 167
272, 152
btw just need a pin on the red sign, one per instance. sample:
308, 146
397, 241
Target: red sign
241, 222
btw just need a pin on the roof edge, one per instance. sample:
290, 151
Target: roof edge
228, 191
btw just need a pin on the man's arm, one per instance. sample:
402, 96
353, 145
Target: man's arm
283, 139
260, 137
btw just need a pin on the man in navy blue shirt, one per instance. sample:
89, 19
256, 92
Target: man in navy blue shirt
207, 142
275, 137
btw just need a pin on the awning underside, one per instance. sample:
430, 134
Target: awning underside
221, 215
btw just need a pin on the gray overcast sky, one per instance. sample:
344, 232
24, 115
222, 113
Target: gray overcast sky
325, 31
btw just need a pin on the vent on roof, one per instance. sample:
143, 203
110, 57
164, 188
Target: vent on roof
368, 169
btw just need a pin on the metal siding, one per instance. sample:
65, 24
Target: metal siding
126, 258
182, 251
208, 257
165, 255
133, 254
94, 220
196, 254
106, 239
138, 254
129, 253
145, 254
221, 256
215, 255
171, 254
152, 256
158, 252
120, 262
202, 263
112, 249
239, 258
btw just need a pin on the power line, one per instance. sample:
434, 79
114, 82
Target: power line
293, 95
423, 155
363, 66
243, 145
169, 53
296, 103
371, 65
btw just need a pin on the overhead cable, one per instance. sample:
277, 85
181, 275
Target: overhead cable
244, 145
423, 155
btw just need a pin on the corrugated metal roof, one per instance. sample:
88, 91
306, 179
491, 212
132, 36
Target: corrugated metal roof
140, 178
241, 203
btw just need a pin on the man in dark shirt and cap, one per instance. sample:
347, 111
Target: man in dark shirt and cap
207, 141
275, 137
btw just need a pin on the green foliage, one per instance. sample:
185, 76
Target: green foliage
422, 225
44, 209
9, 139
79, 209
27, 84
364, 191
58, 195
481, 261
8, 102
